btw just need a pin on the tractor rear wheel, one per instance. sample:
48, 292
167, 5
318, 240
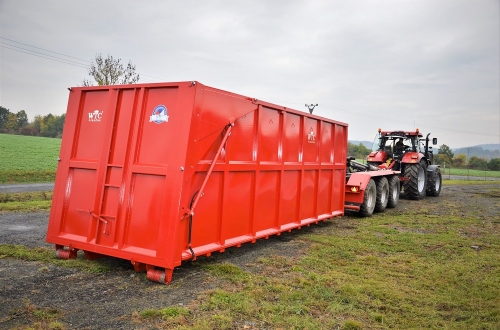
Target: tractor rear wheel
394, 189
415, 183
434, 184
366, 209
382, 194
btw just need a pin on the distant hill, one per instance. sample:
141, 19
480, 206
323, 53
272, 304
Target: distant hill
486, 151
367, 144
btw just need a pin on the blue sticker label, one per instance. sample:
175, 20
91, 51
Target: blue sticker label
159, 114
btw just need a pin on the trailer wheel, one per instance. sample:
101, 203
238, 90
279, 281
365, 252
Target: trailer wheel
382, 194
415, 185
369, 200
394, 188
434, 183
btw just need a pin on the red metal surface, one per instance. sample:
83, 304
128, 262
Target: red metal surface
134, 156
360, 181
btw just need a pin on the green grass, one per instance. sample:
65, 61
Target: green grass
26, 202
48, 256
405, 269
460, 171
28, 158
447, 182
470, 172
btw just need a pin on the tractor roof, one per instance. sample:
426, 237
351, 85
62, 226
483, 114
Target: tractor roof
402, 133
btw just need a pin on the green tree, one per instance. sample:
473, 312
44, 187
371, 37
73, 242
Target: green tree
52, 126
478, 163
11, 122
37, 124
443, 160
22, 119
445, 150
110, 71
4, 112
494, 164
359, 151
460, 160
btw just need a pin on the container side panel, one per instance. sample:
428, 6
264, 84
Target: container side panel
291, 138
240, 145
310, 140
91, 130
145, 218
237, 209
289, 197
325, 192
267, 200
209, 145
206, 220
326, 153
269, 131
77, 218
122, 127
340, 144
308, 195
158, 126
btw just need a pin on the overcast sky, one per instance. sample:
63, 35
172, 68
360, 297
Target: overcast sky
390, 64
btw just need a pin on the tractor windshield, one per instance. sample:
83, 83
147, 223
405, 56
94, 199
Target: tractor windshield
376, 143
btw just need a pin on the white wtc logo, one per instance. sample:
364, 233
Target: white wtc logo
95, 116
311, 137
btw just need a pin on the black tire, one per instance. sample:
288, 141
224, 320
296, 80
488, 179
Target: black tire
366, 209
382, 194
434, 184
394, 189
415, 184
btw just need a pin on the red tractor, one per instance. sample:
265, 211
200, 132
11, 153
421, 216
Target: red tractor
409, 153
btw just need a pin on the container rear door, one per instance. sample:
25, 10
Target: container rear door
93, 164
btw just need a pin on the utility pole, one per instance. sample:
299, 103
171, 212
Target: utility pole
468, 164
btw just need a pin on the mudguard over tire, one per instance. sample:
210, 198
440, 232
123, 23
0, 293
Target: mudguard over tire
366, 209
415, 183
434, 183
382, 194
394, 188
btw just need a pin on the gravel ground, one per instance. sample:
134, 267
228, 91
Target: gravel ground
108, 300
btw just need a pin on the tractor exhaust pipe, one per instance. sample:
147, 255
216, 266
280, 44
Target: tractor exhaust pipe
363, 167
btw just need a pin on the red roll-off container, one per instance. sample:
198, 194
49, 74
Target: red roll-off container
161, 173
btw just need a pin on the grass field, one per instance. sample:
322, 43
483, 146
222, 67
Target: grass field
466, 172
28, 158
461, 171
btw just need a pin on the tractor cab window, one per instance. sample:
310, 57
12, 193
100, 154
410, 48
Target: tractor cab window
376, 143
401, 144
421, 146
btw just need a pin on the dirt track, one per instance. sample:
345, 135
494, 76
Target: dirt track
108, 300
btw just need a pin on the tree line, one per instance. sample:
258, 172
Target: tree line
18, 123
446, 157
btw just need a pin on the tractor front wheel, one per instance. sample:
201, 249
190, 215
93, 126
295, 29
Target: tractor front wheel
366, 209
415, 183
